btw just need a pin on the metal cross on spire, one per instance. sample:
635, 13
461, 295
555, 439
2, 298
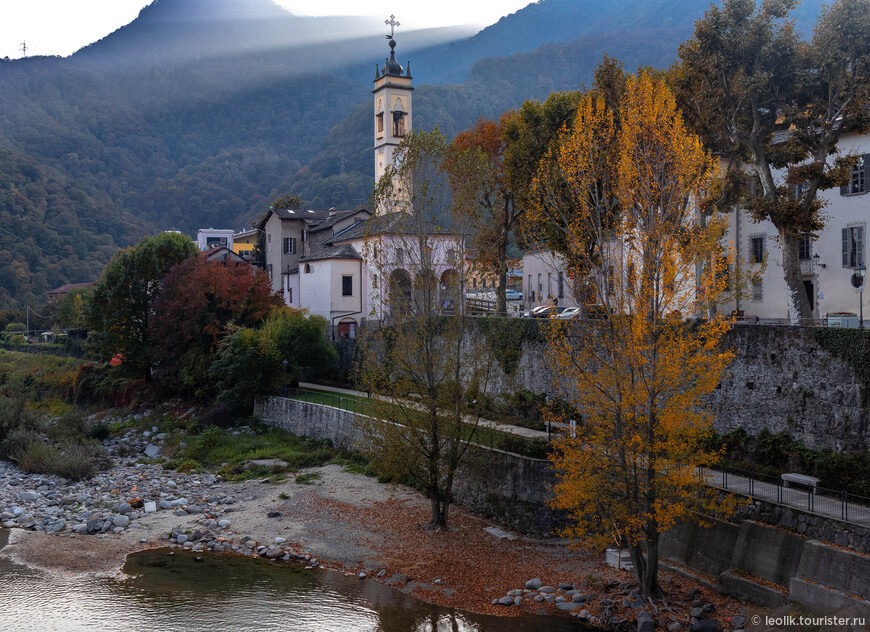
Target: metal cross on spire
392, 23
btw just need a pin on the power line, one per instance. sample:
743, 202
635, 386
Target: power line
32, 244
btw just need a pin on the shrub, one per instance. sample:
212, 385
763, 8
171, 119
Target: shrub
36, 458
75, 461
17, 442
99, 432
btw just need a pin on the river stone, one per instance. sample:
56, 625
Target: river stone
180, 512
566, 586
698, 613
30, 496
705, 625
121, 521
534, 584
57, 526
152, 451
165, 504
125, 508
578, 598
506, 601
181, 538
223, 524
567, 606
645, 622
515, 592
150, 507
274, 552
547, 589
738, 621
518, 601
95, 524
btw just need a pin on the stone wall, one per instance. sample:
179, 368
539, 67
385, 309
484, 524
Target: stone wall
508, 488
781, 379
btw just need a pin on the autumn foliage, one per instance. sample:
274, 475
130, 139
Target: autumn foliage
638, 375
197, 303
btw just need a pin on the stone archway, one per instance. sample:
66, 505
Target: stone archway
400, 290
451, 291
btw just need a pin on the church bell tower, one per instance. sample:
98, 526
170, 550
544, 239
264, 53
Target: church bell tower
393, 114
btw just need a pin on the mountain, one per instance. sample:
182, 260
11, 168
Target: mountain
200, 112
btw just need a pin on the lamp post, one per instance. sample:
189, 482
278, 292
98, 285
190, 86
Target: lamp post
284, 365
861, 272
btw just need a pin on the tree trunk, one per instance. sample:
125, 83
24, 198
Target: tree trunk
501, 299
797, 301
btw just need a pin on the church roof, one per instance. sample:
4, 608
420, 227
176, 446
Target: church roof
388, 224
339, 215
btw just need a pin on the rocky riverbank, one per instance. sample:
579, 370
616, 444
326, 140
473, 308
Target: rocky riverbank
343, 521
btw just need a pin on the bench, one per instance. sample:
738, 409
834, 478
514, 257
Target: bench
800, 479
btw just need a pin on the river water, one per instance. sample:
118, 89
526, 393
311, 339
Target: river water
183, 591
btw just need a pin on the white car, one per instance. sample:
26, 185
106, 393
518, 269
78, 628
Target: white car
569, 313
513, 295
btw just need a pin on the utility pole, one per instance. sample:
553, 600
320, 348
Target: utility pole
24, 49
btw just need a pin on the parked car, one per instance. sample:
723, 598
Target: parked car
569, 313
536, 312
513, 295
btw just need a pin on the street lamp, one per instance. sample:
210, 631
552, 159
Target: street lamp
858, 282
284, 365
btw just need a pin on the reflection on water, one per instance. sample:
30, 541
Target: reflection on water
186, 592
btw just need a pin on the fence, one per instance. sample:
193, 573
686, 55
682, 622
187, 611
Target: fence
349, 403
830, 503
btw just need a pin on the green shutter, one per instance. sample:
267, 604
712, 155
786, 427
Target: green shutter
845, 247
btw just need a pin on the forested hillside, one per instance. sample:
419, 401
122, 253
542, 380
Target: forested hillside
200, 112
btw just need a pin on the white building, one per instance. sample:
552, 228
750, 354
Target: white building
211, 237
827, 263
545, 278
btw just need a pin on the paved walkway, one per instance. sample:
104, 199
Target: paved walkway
485, 423
796, 497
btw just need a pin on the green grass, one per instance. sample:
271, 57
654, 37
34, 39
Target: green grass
53, 372
216, 448
309, 478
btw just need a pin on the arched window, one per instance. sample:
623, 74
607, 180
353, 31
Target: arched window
398, 119
379, 119
307, 269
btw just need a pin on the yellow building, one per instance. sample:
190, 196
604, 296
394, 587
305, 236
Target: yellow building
245, 242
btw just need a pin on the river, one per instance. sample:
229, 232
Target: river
162, 590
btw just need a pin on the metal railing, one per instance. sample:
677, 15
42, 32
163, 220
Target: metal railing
829, 503
349, 403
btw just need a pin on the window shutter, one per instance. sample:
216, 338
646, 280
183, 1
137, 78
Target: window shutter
859, 245
866, 158
845, 247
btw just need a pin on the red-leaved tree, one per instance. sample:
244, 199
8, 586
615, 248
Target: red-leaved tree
199, 301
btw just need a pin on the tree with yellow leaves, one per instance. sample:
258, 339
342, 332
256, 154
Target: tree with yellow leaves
638, 375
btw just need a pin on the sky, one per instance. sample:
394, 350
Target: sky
61, 27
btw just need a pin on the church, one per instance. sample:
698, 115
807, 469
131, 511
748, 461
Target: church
351, 266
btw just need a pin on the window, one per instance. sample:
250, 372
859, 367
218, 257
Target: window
380, 122
474, 283
540, 285
756, 249
756, 290
269, 238
269, 270
561, 284
805, 247
549, 285
289, 245
347, 285
400, 256
853, 246
451, 256
307, 269
858, 182
398, 124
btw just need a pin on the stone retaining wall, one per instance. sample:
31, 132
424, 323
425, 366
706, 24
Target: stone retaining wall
508, 488
781, 379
